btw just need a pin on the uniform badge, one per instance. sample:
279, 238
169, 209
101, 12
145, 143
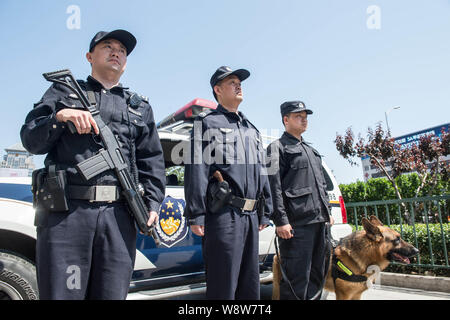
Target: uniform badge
226, 130
171, 226
135, 112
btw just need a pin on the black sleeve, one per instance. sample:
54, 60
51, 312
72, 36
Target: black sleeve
264, 219
277, 167
41, 130
150, 164
196, 178
266, 192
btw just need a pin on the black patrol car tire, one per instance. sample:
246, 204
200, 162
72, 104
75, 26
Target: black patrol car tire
17, 278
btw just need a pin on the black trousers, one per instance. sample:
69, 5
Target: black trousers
87, 253
303, 261
230, 252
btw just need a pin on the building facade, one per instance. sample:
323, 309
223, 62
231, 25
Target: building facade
17, 162
405, 141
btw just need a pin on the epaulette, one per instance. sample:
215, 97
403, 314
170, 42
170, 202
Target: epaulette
144, 98
205, 113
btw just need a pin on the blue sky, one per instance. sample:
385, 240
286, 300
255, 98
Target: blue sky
321, 52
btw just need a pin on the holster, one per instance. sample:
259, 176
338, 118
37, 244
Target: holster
218, 195
49, 189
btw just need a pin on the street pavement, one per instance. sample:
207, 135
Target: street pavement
395, 293
375, 293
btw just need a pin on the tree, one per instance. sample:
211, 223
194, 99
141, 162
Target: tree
424, 157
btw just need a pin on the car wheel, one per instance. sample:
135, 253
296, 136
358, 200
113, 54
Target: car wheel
17, 278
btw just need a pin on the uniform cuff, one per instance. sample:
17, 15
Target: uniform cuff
197, 221
54, 125
153, 205
281, 221
264, 220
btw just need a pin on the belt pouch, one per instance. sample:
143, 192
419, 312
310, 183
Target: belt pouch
50, 190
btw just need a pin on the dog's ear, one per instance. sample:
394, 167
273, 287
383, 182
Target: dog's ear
372, 231
374, 220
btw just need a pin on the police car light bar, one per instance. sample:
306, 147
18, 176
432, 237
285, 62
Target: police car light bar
189, 112
343, 209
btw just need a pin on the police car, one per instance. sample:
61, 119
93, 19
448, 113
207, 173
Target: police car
173, 268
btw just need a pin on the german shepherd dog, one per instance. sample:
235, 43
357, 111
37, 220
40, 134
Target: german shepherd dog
357, 259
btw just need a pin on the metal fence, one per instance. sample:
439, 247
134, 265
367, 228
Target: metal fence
423, 222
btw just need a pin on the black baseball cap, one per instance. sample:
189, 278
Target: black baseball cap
126, 38
293, 106
223, 72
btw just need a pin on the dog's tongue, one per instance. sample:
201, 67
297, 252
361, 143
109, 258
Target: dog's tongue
401, 258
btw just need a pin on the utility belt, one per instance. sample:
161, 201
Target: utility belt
95, 193
219, 195
51, 191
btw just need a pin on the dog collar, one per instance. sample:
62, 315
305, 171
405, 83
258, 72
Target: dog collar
341, 271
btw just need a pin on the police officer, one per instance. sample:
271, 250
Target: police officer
225, 140
88, 252
301, 206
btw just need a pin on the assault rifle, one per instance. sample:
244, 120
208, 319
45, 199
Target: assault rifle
110, 157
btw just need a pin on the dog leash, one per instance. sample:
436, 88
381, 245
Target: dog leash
283, 274
330, 246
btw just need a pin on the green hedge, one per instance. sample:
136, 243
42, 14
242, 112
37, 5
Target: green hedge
437, 245
381, 189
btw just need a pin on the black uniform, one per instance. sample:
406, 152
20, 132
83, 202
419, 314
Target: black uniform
228, 142
89, 252
300, 198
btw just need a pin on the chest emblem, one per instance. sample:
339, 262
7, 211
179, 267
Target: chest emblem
226, 130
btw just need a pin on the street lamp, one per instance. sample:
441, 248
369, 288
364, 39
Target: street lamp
386, 114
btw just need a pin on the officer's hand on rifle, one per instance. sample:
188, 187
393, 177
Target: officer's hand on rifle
198, 230
151, 219
285, 232
82, 120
